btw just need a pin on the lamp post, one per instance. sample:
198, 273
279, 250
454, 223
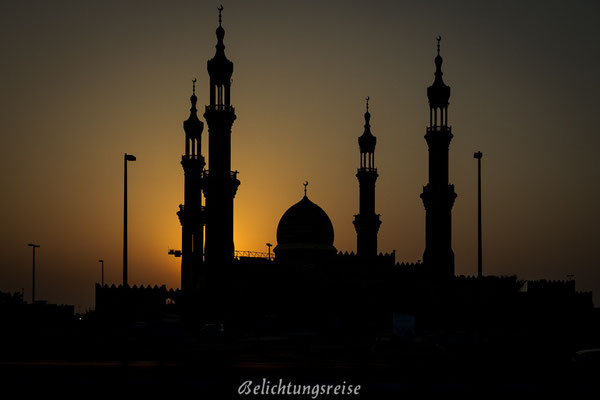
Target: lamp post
128, 157
102, 262
478, 156
34, 246
269, 246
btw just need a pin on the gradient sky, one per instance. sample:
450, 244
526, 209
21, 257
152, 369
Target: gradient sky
83, 82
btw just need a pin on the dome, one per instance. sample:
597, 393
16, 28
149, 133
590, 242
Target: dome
305, 222
304, 231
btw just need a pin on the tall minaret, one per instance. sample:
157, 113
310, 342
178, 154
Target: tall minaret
367, 222
191, 212
220, 183
438, 196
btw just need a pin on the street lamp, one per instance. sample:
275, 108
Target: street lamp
102, 261
128, 157
269, 246
34, 246
478, 156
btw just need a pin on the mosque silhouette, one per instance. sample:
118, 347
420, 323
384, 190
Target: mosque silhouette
311, 313
308, 286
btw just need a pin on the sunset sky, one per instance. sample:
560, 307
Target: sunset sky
84, 82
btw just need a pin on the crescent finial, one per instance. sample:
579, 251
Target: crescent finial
305, 185
438, 38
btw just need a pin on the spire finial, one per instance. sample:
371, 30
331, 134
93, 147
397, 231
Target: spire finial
220, 8
438, 40
305, 185
367, 114
193, 98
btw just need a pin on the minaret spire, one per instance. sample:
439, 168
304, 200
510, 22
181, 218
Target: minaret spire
191, 211
220, 183
366, 222
438, 195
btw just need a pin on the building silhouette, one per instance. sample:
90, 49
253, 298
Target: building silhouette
363, 288
305, 234
310, 286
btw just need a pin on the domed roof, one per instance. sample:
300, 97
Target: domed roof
305, 223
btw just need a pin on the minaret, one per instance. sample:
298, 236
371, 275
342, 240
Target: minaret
191, 212
438, 196
367, 222
219, 182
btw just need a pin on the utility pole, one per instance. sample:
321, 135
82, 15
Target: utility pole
478, 156
34, 246
128, 157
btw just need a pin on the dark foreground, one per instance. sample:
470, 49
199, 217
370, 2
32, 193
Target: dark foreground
215, 366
